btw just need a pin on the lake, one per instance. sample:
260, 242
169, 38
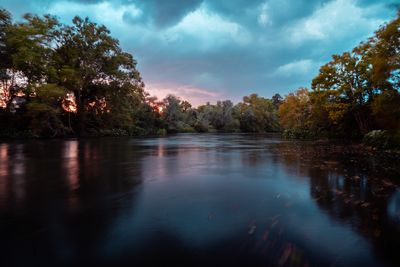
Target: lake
197, 200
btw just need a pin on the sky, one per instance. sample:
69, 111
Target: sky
209, 50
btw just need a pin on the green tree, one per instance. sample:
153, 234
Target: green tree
5, 56
44, 111
173, 114
347, 88
31, 44
91, 64
257, 114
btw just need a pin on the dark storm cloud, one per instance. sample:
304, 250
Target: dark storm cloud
283, 11
210, 49
161, 14
166, 13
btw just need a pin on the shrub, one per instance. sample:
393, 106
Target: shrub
161, 132
298, 134
382, 139
115, 132
187, 129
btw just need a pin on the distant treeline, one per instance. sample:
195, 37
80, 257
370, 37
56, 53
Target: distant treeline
75, 80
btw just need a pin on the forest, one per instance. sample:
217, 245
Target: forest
59, 80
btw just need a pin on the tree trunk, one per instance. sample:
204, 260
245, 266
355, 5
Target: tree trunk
362, 122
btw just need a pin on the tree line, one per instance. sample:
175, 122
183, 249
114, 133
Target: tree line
75, 80
354, 94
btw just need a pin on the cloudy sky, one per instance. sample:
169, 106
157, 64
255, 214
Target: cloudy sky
205, 50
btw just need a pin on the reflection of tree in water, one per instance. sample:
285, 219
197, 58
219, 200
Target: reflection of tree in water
354, 188
68, 195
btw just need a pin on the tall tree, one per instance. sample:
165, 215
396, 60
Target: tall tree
277, 100
345, 83
5, 57
31, 43
91, 64
384, 55
173, 114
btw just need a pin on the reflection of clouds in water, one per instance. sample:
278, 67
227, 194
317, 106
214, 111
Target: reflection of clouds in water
161, 150
213, 195
71, 164
4, 166
166, 159
19, 173
158, 167
3, 151
4, 159
199, 191
19, 165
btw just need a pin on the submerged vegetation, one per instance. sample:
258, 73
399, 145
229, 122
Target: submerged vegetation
75, 80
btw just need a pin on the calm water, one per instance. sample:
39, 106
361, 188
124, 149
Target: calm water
204, 200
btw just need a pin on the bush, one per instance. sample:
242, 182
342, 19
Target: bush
12, 133
298, 134
200, 127
187, 129
115, 132
382, 139
161, 132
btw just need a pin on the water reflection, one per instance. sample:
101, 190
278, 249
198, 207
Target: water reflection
59, 197
394, 208
196, 200
3, 172
353, 192
12, 163
71, 164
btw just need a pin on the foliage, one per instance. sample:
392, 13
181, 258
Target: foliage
44, 110
347, 90
301, 134
295, 110
382, 139
43, 61
257, 114
5, 56
359, 88
74, 79
173, 113
386, 110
